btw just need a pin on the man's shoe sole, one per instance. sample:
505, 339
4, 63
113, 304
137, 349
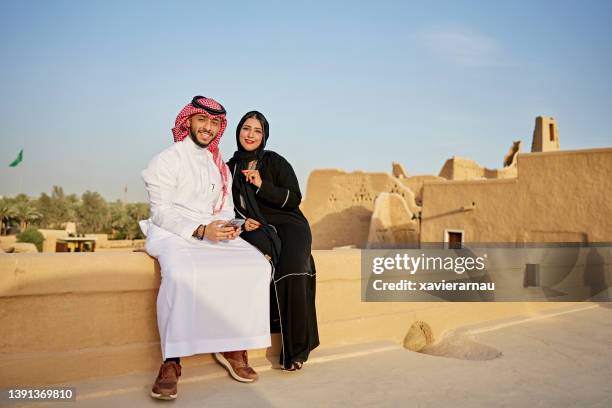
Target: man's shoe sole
163, 396
223, 361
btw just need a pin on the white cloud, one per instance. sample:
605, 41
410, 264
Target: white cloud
463, 47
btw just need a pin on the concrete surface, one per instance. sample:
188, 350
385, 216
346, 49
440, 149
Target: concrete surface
554, 359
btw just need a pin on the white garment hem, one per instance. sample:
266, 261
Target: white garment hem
189, 348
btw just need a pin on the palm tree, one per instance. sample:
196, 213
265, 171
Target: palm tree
25, 212
7, 211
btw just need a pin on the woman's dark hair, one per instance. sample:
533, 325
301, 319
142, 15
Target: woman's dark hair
265, 127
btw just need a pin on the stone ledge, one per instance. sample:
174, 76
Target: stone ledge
93, 315
57, 273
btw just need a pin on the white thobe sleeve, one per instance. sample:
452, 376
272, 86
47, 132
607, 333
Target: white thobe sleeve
227, 212
161, 181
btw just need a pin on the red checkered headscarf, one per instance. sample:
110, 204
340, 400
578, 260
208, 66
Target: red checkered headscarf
181, 131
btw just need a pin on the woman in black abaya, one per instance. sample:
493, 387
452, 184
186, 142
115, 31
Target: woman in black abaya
267, 195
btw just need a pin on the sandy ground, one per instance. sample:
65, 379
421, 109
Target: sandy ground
562, 359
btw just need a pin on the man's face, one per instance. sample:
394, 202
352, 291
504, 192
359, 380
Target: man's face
203, 128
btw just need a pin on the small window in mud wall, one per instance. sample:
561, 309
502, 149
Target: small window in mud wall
551, 131
453, 239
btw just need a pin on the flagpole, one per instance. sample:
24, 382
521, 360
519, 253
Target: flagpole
15, 163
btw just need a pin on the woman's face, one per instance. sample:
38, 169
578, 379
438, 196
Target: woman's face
251, 134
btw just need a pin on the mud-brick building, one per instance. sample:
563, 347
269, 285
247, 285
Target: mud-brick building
547, 195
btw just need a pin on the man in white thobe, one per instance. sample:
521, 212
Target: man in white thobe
214, 292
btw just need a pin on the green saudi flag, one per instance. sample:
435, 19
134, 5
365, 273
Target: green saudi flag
18, 160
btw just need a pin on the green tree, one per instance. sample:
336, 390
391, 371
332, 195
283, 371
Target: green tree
7, 211
25, 211
136, 212
93, 213
120, 221
44, 206
59, 208
33, 236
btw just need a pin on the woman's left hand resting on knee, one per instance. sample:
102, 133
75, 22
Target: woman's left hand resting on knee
250, 224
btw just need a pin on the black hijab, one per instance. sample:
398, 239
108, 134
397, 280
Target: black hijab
242, 155
243, 191
245, 201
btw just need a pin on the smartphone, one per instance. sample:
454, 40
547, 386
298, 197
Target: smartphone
236, 223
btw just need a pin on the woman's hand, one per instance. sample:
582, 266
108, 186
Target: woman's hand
251, 225
215, 231
234, 234
253, 177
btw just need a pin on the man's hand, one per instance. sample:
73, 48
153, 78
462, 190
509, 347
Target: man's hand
250, 224
215, 231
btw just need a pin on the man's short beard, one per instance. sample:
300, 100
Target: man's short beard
196, 141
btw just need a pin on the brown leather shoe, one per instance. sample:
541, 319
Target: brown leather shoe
237, 365
165, 387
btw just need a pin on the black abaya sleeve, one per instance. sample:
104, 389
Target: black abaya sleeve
284, 191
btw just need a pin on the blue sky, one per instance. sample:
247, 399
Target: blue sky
91, 89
